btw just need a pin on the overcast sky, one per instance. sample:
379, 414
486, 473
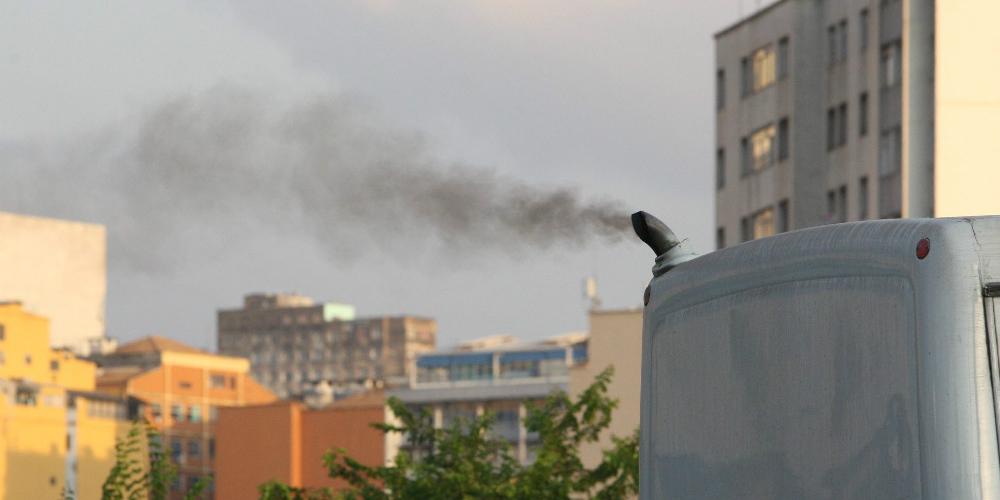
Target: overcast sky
612, 98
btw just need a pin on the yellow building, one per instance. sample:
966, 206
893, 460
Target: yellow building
56, 433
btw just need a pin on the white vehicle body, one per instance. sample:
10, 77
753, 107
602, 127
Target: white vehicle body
826, 363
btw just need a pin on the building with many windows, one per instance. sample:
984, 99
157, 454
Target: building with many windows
497, 374
56, 434
294, 343
855, 109
182, 390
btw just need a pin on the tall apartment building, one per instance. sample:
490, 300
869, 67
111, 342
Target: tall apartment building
56, 434
293, 343
182, 390
497, 374
57, 269
831, 111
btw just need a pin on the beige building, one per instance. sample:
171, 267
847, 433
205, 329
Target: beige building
615, 341
296, 345
855, 109
56, 269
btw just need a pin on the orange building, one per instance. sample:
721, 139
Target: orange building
183, 389
290, 440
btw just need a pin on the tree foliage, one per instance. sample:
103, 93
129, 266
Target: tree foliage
468, 460
143, 470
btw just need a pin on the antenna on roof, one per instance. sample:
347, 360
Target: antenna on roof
590, 292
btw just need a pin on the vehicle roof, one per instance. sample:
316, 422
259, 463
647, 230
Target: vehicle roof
867, 247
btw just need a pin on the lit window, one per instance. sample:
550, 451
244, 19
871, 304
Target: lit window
762, 148
763, 223
194, 413
890, 67
763, 61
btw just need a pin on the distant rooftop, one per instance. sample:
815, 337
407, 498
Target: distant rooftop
155, 343
753, 15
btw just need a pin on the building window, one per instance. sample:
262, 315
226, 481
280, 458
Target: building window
836, 126
745, 77
890, 152
784, 224
26, 396
831, 205
763, 68
175, 449
745, 232
3, 358
213, 413
185, 385
194, 413
890, 67
842, 39
863, 29
27, 359
863, 114
217, 382
194, 448
720, 238
831, 129
155, 412
783, 139
763, 223
842, 204
744, 156
831, 44
782, 58
842, 124
720, 168
720, 89
211, 447
762, 147
3, 332
176, 413
54, 365
863, 198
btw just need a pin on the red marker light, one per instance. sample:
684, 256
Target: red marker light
923, 248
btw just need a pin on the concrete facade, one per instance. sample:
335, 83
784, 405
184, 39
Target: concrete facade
858, 109
294, 344
57, 269
615, 341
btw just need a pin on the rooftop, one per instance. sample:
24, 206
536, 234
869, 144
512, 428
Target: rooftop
746, 19
155, 343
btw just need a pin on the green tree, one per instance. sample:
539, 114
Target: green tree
467, 460
143, 470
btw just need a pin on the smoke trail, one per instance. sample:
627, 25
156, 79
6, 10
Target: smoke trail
231, 162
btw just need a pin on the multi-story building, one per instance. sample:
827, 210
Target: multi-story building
615, 341
496, 374
855, 109
182, 389
56, 434
57, 269
294, 343
294, 438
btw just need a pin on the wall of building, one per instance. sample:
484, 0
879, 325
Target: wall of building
257, 444
285, 441
615, 341
967, 108
44, 435
57, 269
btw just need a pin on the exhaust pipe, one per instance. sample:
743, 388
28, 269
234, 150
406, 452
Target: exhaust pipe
670, 251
